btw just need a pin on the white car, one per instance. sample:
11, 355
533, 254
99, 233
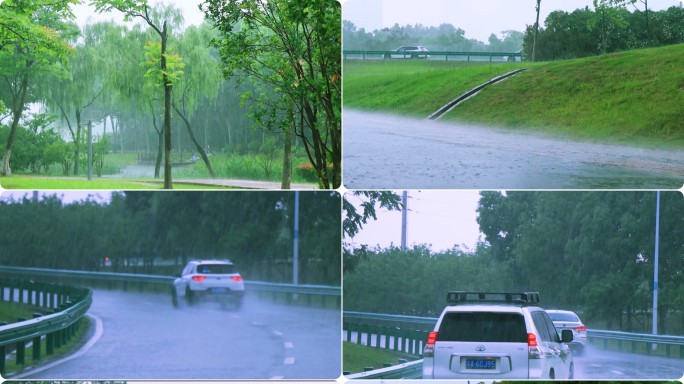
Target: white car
569, 320
209, 280
409, 52
496, 336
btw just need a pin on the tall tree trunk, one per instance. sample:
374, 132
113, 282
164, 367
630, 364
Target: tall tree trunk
160, 143
198, 146
286, 180
167, 112
77, 142
17, 108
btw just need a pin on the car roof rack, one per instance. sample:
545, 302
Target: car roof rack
518, 298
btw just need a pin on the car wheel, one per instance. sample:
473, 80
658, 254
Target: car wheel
552, 375
174, 297
571, 374
189, 296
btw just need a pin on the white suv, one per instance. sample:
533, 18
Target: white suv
215, 280
495, 336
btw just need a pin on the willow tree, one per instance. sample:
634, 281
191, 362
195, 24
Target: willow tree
33, 39
294, 48
142, 10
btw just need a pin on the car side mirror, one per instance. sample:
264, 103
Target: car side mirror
566, 336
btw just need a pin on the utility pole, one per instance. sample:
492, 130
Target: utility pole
295, 252
404, 210
655, 269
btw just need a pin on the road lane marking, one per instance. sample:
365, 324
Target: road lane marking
277, 333
617, 372
289, 360
277, 377
96, 337
289, 345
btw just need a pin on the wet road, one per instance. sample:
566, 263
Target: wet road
144, 337
383, 151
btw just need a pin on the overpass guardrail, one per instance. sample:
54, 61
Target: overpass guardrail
322, 295
61, 309
432, 55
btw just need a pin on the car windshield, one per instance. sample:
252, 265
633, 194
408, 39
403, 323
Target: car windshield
483, 327
216, 269
564, 316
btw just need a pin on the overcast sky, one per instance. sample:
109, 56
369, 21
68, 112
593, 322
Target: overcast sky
85, 14
479, 19
441, 218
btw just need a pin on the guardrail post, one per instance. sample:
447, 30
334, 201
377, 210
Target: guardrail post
50, 343
36, 342
369, 331
358, 334
11, 293
21, 348
3, 353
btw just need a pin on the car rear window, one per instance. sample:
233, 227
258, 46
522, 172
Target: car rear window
483, 327
216, 269
563, 317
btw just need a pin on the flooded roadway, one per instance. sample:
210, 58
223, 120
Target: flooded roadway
384, 151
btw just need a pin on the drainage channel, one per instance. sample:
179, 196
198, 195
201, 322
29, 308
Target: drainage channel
453, 103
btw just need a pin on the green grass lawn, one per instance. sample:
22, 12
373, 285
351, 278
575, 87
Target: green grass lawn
357, 357
56, 183
632, 97
10, 312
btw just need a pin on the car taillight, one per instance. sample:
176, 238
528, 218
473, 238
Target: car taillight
582, 328
429, 349
533, 347
199, 278
236, 278
532, 340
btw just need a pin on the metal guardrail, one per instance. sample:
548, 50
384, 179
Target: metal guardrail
69, 305
431, 54
412, 370
163, 282
635, 339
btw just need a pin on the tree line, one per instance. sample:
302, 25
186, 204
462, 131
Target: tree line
445, 37
157, 86
609, 27
157, 233
590, 252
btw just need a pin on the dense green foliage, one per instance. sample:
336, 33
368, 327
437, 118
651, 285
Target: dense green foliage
604, 29
591, 252
292, 48
117, 77
255, 230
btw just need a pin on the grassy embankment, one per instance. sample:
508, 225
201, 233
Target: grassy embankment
357, 357
632, 97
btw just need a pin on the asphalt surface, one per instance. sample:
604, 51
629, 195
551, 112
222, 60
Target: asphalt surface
384, 151
144, 337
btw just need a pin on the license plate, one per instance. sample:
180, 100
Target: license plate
219, 290
480, 364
